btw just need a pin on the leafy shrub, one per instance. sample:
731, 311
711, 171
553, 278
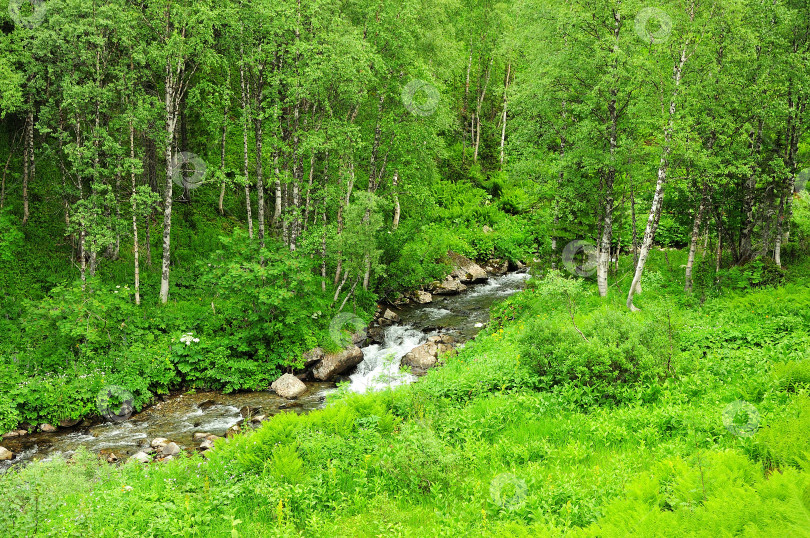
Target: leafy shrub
419, 461
760, 272
267, 300
615, 352
717, 494
792, 376
783, 442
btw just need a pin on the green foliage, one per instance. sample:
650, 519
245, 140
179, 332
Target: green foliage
721, 493
615, 356
783, 441
760, 272
420, 461
792, 376
425, 455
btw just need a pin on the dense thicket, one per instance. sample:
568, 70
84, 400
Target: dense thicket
261, 165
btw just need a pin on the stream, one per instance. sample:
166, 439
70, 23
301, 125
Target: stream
181, 416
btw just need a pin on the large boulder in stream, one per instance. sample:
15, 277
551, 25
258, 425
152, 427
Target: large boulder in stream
424, 357
288, 386
466, 270
497, 267
421, 297
140, 457
171, 449
333, 364
449, 286
5, 454
388, 318
376, 335
312, 356
69, 422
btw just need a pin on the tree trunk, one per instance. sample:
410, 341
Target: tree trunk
117, 248
171, 122
323, 239
777, 247
83, 259
466, 105
245, 124
658, 198
308, 200
505, 102
746, 251
478, 111
603, 252
785, 208
135, 249
257, 120
394, 183
343, 205
5, 171
222, 160
295, 223
719, 253
28, 158
695, 234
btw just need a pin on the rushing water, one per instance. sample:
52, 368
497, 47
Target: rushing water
181, 416
460, 315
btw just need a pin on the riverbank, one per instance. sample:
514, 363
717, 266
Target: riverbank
475, 449
179, 416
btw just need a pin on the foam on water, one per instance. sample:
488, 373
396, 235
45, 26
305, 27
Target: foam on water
381, 363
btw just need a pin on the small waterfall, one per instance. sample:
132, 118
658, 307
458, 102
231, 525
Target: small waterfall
380, 366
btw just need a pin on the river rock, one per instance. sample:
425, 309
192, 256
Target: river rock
359, 338
206, 445
422, 297
442, 339
288, 386
334, 364
312, 356
5, 454
232, 431
47, 428
205, 405
159, 442
516, 265
112, 458
376, 335
170, 449
497, 267
200, 436
450, 286
249, 411
422, 358
213, 438
426, 356
398, 299
388, 318
140, 457
69, 422
14, 433
467, 271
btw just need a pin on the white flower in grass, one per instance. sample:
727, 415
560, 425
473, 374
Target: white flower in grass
188, 338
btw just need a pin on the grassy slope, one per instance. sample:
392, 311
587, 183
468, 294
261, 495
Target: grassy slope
425, 460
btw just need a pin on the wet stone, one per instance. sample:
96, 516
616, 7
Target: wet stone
205, 405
